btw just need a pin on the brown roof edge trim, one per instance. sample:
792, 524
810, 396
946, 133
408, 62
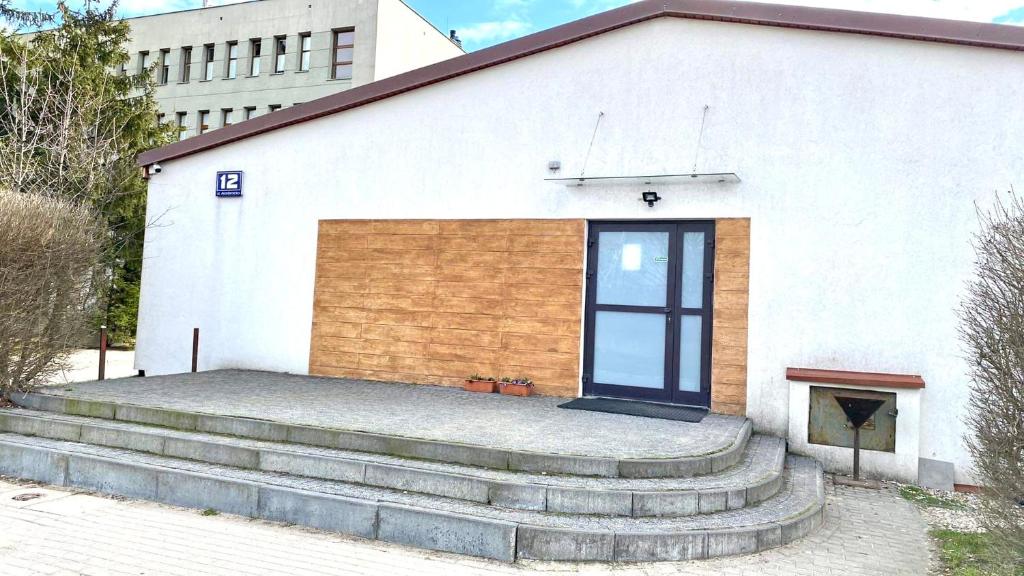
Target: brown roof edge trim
877, 379
823, 19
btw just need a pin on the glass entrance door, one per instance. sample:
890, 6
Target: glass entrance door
648, 311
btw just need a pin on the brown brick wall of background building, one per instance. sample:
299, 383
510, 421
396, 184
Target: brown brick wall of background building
433, 301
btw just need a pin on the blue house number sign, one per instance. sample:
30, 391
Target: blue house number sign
229, 183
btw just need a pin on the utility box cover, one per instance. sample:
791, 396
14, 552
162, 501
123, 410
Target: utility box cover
827, 423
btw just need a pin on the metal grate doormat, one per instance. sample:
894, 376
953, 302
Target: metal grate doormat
635, 408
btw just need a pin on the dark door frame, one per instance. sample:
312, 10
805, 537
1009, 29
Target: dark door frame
673, 312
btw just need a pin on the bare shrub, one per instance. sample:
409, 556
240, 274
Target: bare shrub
49, 255
992, 325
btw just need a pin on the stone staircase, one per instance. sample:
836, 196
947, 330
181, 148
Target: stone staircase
468, 499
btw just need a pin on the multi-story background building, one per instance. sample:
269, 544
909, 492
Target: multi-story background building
220, 65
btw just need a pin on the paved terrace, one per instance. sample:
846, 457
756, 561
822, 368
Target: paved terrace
532, 424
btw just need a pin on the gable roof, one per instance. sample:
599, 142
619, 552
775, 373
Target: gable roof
893, 26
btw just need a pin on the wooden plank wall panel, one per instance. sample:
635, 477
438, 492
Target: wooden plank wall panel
729, 332
432, 301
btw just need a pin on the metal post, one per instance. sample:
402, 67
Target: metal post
856, 453
195, 349
103, 353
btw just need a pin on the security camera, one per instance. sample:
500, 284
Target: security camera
156, 169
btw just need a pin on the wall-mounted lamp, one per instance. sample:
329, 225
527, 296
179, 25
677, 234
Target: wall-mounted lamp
650, 197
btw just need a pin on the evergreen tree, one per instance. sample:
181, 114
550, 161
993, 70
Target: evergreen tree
71, 126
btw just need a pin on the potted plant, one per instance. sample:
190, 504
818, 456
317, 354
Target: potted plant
518, 386
478, 383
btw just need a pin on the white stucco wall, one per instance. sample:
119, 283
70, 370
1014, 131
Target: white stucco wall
406, 40
861, 159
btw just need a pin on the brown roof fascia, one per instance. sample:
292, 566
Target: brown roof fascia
908, 27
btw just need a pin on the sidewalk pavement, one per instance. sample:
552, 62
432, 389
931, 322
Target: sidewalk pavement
866, 532
85, 366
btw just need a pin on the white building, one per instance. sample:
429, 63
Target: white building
854, 149
221, 65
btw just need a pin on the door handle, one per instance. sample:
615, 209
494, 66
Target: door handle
668, 315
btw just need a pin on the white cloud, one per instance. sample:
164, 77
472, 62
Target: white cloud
595, 6
141, 7
511, 4
496, 30
974, 10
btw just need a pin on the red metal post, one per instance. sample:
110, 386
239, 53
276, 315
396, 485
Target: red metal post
195, 349
103, 353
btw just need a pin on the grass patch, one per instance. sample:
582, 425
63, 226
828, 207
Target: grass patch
210, 512
963, 554
922, 497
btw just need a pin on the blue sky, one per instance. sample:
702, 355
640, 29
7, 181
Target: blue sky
482, 23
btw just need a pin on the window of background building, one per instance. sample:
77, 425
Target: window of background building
280, 51
273, 108
165, 66
124, 68
305, 44
227, 117
254, 52
180, 120
186, 64
249, 113
204, 122
143, 62
208, 62
344, 40
232, 70
159, 118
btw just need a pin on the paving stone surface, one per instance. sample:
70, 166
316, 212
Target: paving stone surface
532, 424
757, 463
798, 493
866, 532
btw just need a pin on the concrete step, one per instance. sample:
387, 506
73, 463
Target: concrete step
431, 522
715, 460
755, 478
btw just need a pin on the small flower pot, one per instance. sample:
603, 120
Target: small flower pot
510, 389
480, 386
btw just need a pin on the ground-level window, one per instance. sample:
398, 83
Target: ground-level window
204, 122
180, 120
249, 113
305, 45
255, 46
344, 40
232, 69
227, 117
273, 108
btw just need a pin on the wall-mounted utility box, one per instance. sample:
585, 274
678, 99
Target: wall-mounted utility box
818, 427
828, 425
